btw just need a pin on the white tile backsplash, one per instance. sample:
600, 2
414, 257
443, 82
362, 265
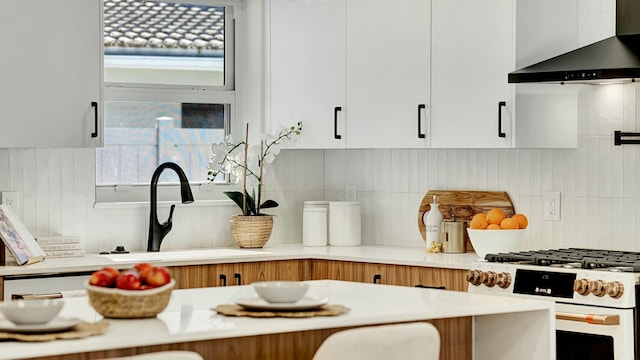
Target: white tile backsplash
599, 183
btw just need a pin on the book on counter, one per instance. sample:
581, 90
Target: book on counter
64, 253
70, 246
57, 239
18, 239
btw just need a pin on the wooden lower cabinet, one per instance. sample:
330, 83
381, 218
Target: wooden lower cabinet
348, 271
195, 276
403, 275
449, 279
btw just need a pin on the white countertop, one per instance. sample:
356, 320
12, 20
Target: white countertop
369, 304
371, 254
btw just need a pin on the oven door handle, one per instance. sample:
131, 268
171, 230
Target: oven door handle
36, 296
590, 318
55, 295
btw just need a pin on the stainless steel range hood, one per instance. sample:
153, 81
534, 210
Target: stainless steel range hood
612, 59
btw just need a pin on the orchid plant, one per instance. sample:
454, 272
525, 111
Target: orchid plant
239, 161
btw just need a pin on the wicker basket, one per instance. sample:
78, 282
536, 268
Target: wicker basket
251, 231
129, 304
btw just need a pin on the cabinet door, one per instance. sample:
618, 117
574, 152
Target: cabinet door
472, 53
197, 276
448, 279
348, 271
388, 69
51, 71
307, 70
281, 270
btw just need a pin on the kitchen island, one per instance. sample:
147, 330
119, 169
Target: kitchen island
501, 328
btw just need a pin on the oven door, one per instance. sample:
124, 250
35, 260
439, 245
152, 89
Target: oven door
589, 332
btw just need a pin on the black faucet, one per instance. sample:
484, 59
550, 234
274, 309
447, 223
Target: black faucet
158, 231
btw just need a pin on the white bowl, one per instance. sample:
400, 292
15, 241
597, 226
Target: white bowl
23, 312
495, 241
281, 291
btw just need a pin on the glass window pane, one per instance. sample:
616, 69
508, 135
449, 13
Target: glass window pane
141, 135
164, 43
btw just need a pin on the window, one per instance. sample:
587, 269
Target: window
169, 92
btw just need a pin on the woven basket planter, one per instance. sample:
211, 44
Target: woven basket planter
129, 304
251, 231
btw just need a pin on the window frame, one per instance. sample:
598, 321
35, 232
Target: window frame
133, 194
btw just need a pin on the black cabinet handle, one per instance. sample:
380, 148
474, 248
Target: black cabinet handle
223, 278
94, 105
377, 278
501, 104
238, 278
420, 108
335, 122
430, 287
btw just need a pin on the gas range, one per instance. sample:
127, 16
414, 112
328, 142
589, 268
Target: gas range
574, 276
596, 295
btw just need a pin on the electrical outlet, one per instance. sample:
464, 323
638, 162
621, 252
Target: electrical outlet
350, 193
551, 205
10, 198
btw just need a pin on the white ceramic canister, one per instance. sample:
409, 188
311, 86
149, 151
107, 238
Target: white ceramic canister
319, 204
345, 227
314, 226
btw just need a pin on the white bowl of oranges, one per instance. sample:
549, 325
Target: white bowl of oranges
494, 233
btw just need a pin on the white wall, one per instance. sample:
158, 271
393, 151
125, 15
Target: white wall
600, 183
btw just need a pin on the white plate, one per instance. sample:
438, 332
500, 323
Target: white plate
57, 324
305, 303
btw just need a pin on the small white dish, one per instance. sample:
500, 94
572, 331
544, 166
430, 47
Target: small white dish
24, 312
306, 303
281, 291
57, 324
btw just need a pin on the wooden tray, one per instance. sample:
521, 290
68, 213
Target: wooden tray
465, 203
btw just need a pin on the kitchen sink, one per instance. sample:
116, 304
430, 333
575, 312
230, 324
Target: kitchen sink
193, 254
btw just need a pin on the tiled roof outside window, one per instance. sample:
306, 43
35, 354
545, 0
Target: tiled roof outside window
162, 28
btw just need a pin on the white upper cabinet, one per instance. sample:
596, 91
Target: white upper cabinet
415, 73
356, 72
51, 71
308, 70
472, 53
388, 61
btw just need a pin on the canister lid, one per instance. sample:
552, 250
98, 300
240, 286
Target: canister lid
316, 202
344, 203
315, 209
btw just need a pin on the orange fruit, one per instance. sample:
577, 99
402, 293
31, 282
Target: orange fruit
509, 223
495, 216
494, 227
522, 220
479, 221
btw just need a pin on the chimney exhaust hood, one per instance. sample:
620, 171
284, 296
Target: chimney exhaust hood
612, 59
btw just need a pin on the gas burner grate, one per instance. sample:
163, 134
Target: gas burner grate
573, 257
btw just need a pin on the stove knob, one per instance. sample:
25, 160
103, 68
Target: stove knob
504, 280
598, 287
474, 277
615, 289
489, 278
581, 286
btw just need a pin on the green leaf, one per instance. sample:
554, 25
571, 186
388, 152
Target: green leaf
236, 196
269, 204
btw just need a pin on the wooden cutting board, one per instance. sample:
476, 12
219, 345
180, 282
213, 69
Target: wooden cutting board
465, 203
